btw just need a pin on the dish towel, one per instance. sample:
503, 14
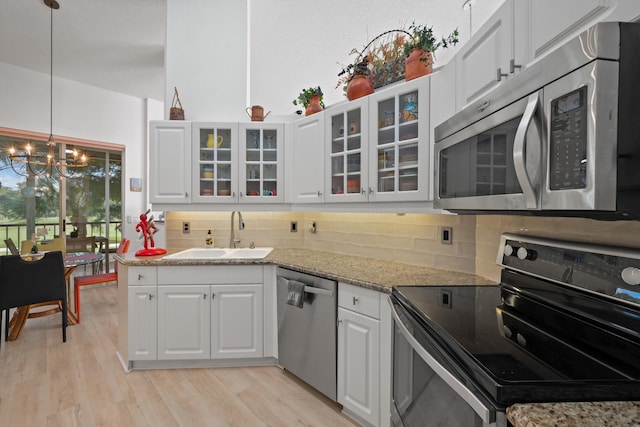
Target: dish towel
295, 293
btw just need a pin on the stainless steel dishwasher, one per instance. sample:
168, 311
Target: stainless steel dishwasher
307, 335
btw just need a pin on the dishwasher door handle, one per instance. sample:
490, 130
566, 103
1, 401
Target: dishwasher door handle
318, 291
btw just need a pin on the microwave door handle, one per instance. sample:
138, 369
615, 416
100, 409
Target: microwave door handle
519, 161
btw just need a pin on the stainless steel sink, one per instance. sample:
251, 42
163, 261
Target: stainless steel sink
218, 253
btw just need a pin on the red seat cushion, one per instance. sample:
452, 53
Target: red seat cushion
95, 278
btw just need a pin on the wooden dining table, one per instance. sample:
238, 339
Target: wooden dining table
72, 261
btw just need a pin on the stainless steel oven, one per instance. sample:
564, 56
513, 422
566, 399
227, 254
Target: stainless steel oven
560, 138
563, 325
430, 390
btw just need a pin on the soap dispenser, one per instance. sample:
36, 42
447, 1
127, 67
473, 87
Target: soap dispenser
209, 240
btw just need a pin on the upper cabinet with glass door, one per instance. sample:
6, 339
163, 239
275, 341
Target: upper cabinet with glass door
399, 138
347, 134
261, 163
215, 151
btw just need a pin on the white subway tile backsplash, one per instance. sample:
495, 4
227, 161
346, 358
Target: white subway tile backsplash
411, 238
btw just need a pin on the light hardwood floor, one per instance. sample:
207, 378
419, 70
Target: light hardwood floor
44, 382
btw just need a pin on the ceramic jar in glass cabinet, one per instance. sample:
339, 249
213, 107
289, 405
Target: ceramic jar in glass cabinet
261, 160
214, 167
347, 142
400, 143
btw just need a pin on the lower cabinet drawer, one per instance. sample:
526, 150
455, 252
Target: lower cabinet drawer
361, 300
142, 276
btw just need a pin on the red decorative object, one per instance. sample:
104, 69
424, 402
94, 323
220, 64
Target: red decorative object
147, 229
419, 63
359, 86
314, 105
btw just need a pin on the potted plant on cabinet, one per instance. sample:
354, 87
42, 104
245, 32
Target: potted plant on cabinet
356, 78
311, 99
421, 47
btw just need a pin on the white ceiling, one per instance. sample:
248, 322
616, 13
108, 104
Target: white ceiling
116, 45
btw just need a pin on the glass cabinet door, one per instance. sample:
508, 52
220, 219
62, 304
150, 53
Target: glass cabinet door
347, 157
214, 167
400, 166
261, 163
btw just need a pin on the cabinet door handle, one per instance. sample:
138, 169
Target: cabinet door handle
213, 295
233, 194
186, 194
339, 322
355, 300
241, 194
319, 193
204, 295
140, 276
150, 297
499, 75
513, 66
370, 190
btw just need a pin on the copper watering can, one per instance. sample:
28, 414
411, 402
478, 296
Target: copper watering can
256, 112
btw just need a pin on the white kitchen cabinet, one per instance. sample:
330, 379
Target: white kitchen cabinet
399, 143
359, 364
261, 163
485, 60
199, 315
143, 318
364, 354
215, 162
347, 151
544, 25
183, 322
170, 162
236, 321
307, 168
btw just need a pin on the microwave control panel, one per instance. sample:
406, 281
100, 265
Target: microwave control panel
568, 141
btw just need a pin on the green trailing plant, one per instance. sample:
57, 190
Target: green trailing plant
306, 95
422, 37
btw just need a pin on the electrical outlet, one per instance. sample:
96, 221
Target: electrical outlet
446, 235
294, 226
186, 227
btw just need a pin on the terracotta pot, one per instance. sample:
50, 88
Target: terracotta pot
358, 87
314, 105
415, 66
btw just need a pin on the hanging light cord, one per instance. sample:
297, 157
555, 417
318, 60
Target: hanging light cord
51, 79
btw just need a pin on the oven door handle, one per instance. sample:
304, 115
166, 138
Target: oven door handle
519, 160
487, 414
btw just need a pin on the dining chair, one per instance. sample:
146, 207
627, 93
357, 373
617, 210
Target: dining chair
11, 246
94, 279
81, 244
25, 283
55, 244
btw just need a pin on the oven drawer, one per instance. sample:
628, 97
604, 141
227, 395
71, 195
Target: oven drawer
361, 300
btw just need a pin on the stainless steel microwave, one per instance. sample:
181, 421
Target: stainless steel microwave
561, 138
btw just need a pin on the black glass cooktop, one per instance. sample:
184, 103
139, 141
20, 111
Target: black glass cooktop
519, 348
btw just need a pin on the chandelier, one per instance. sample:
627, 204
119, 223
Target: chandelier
32, 161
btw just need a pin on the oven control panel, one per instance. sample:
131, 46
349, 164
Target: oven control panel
606, 270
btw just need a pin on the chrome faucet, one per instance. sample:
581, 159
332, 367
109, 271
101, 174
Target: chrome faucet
232, 239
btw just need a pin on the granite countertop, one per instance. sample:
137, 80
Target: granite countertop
381, 275
370, 273
575, 414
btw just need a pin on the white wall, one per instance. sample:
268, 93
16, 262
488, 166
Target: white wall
80, 111
296, 44
206, 58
